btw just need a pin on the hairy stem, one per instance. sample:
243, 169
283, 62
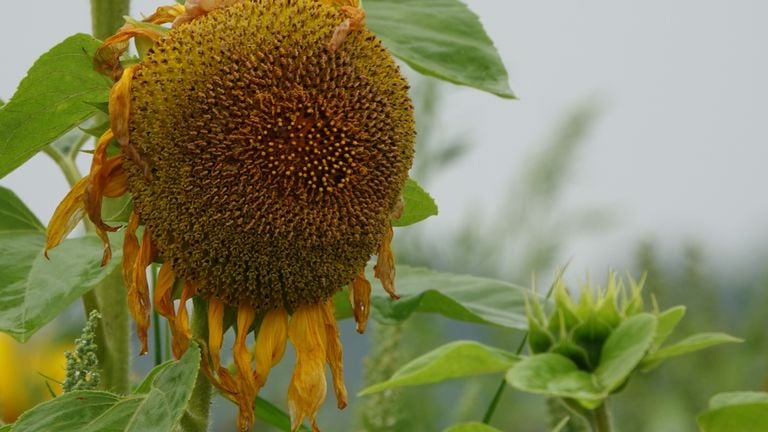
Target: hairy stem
600, 420
107, 16
195, 419
66, 164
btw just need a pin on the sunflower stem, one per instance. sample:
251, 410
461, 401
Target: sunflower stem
107, 16
195, 418
158, 342
600, 420
66, 164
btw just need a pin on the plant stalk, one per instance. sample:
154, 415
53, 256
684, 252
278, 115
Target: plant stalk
600, 421
195, 418
107, 16
67, 165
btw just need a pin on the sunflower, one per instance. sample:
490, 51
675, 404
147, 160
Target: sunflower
264, 144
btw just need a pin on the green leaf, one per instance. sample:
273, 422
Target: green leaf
70, 412
561, 426
34, 290
624, 349
737, 411
460, 297
667, 321
418, 205
159, 410
169, 394
454, 360
690, 344
15, 216
55, 96
471, 427
737, 398
5, 428
556, 376
146, 383
439, 38
268, 413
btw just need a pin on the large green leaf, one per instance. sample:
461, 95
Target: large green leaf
70, 412
471, 427
418, 205
34, 290
156, 410
15, 216
440, 38
454, 360
624, 349
737, 411
556, 376
168, 396
54, 97
460, 297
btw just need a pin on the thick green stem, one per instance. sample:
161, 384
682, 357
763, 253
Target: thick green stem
600, 420
195, 419
67, 165
107, 16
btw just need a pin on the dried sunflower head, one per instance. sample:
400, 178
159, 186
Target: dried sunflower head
265, 144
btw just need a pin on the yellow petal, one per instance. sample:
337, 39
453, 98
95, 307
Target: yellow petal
215, 330
119, 114
117, 181
67, 215
197, 8
107, 57
334, 354
180, 331
138, 291
165, 14
164, 290
130, 248
306, 391
99, 176
355, 19
385, 264
360, 298
270, 343
243, 361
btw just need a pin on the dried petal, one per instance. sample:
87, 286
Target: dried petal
308, 386
360, 298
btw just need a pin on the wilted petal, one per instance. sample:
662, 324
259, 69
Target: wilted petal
334, 354
306, 391
385, 264
360, 298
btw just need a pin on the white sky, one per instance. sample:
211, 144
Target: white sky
679, 152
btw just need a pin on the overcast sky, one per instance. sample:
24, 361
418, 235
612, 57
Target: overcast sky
679, 151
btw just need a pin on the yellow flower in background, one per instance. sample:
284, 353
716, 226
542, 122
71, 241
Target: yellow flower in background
265, 144
23, 372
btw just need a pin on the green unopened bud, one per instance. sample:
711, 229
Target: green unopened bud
578, 329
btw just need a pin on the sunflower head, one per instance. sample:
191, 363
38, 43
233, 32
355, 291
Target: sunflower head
265, 144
